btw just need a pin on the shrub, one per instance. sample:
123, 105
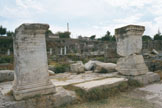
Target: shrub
6, 59
134, 83
61, 68
103, 71
100, 59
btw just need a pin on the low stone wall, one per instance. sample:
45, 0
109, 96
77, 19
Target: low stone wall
80, 46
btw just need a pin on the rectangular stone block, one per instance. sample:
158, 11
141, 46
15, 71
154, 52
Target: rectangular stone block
31, 68
129, 39
132, 65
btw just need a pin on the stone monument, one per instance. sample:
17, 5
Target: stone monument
129, 45
31, 68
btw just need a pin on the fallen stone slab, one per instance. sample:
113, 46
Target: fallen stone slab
108, 82
6, 75
107, 67
67, 78
90, 64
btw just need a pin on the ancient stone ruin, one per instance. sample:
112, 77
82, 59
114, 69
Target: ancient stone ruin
34, 88
129, 45
31, 68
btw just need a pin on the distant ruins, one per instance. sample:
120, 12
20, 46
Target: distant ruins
35, 87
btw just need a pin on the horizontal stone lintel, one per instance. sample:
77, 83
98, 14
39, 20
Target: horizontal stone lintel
130, 29
36, 28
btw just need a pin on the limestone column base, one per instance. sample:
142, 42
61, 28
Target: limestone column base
132, 65
34, 92
147, 78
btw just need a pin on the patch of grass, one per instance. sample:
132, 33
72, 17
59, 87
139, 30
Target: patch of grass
6, 59
124, 100
100, 59
134, 83
61, 68
103, 70
6, 66
98, 93
52, 62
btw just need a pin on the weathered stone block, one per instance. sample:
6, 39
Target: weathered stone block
6, 75
109, 67
132, 65
31, 69
77, 67
129, 39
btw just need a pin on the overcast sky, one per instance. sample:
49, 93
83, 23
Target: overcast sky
85, 17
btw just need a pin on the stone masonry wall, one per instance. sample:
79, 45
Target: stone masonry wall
76, 46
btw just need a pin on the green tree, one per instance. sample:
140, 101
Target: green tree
48, 32
93, 37
158, 36
10, 33
113, 38
65, 34
108, 37
146, 38
2, 31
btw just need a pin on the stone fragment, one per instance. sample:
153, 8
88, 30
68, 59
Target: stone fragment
90, 64
6, 75
51, 72
129, 39
109, 67
31, 69
77, 67
132, 65
64, 97
155, 52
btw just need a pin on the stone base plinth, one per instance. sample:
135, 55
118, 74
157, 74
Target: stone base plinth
61, 97
133, 65
148, 78
33, 92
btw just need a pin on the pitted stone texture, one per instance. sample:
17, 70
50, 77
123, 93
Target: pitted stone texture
129, 45
31, 69
129, 39
132, 65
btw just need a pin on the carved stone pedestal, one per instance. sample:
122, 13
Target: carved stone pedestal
31, 68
